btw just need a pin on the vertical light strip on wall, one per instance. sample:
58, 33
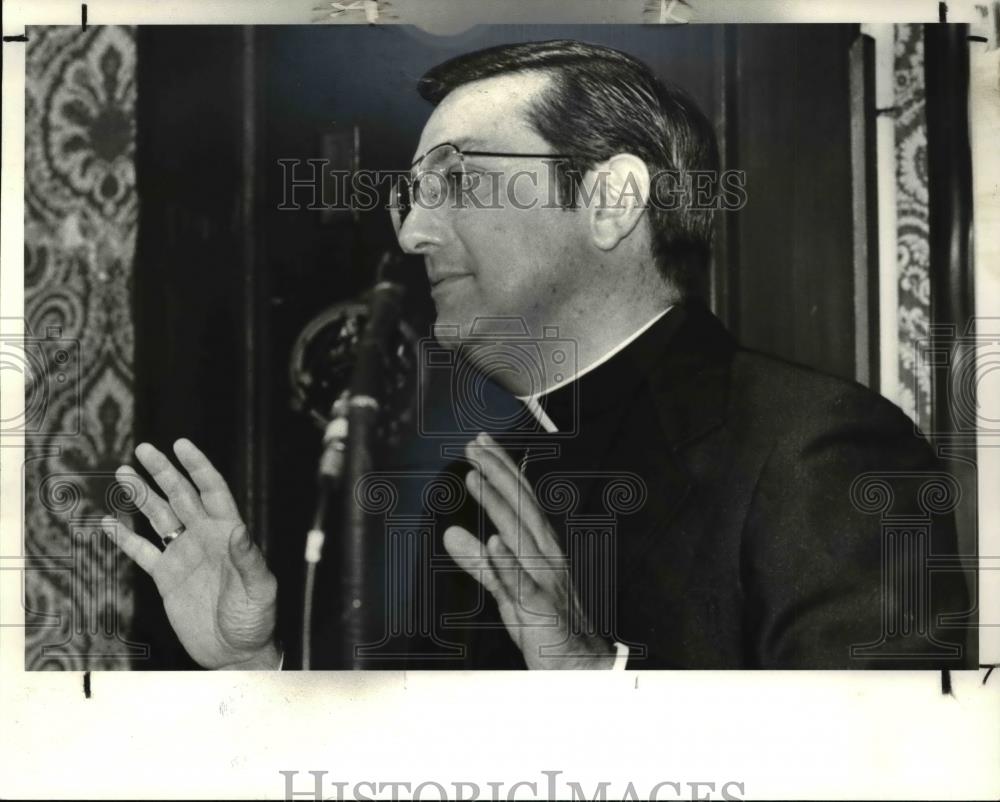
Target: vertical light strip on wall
864, 191
884, 36
984, 118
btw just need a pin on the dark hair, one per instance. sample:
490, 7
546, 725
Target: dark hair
601, 102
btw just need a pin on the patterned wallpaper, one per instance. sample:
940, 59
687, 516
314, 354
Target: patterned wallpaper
912, 222
80, 225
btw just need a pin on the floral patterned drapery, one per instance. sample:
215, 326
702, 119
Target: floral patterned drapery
80, 226
912, 222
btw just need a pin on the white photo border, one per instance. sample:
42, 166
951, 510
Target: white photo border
870, 734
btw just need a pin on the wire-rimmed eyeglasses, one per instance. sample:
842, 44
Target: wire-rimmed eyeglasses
437, 176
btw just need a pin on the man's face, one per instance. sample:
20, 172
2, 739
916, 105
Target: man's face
506, 261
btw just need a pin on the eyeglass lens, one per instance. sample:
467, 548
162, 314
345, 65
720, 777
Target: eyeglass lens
427, 183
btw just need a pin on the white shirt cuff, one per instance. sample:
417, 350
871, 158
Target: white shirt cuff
621, 658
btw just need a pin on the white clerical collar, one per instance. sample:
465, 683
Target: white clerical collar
531, 401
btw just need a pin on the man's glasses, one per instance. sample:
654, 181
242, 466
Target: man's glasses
437, 178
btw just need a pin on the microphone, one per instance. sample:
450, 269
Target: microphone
324, 364
386, 307
353, 370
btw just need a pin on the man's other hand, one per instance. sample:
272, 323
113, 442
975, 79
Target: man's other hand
524, 568
218, 593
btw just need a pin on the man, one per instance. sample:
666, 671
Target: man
739, 545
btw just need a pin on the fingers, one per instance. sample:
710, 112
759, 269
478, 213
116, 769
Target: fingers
516, 493
180, 493
160, 515
525, 597
490, 446
512, 530
466, 550
513, 493
215, 494
494, 449
501, 573
517, 582
138, 548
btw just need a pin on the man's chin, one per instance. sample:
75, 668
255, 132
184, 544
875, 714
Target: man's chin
446, 338
450, 331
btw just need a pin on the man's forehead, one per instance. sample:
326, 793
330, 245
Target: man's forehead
486, 114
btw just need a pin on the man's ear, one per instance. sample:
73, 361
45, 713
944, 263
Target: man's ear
619, 192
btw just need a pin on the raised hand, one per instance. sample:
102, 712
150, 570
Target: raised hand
524, 567
218, 593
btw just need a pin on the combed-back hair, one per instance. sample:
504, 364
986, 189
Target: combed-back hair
600, 102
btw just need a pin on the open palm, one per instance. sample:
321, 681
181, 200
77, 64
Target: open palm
218, 593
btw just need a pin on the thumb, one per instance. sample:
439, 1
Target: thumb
246, 557
467, 550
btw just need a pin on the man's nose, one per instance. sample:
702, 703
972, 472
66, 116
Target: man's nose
423, 229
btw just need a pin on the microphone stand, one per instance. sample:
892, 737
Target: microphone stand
328, 482
348, 454
364, 404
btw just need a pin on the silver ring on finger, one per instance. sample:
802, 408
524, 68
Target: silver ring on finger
172, 535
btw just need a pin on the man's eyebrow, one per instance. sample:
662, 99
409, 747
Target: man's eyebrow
469, 143
462, 143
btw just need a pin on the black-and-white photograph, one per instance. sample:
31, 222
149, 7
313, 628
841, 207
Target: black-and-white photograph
619, 347
551, 350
